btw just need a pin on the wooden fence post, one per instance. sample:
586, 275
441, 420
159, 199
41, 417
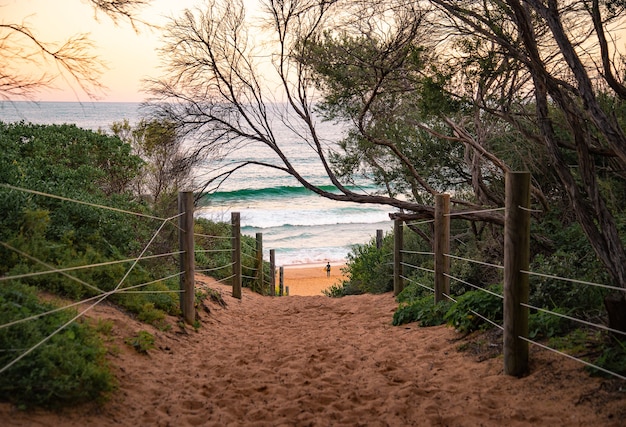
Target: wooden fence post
187, 256
272, 290
281, 277
235, 221
259, 262
379, 239
398, 230
442, 246
516, 259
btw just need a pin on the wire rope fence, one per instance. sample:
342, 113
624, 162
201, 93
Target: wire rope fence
124, 284
514, 272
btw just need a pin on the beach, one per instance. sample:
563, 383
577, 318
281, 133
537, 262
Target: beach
320, 361
310, 279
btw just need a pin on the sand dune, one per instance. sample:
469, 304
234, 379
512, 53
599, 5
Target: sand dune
317, 361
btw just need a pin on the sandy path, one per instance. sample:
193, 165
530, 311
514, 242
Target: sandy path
317, 361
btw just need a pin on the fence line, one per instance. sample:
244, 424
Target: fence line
74, 304
458, 213
417, 267
50, 268
215, 268
102, 294
474, 261
418, 283
212, 237
67, 199
99, 299
514, 364
428, 221
80, 267
569, 356
584, 322
475, 286
201, 251
417, 252
582, 282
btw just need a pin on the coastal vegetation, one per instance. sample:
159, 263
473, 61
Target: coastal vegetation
39, 234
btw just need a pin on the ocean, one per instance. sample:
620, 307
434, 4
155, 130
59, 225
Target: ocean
301, 227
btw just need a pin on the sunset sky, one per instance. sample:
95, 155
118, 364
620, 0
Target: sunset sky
130, 57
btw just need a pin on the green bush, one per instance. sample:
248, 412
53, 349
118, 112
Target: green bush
461, 315
142, 342
613, 359
346, 287
413, 290
67, 369
546, 325
423, 310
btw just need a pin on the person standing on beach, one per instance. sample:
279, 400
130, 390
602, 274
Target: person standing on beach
328, 270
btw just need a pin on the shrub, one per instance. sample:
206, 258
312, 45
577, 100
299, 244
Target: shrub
461, 315
613, 359
413, 290
423, 310
546, 325
142, 342
67, 369
343, 289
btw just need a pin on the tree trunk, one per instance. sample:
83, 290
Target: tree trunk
615, 304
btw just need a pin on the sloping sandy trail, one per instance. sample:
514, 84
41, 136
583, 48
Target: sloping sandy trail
300, 361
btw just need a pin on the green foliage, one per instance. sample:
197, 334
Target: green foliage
461, 315
423, 310
546, 325
211, 294
395, 91
370, 269
142, 342
166, 167
596, 347
342, 289
613, 359
69, 368
89, 167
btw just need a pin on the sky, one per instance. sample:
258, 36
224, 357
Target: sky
129, 56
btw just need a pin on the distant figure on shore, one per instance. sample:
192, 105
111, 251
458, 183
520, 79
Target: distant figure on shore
328, 270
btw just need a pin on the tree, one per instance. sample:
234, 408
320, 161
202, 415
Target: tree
498, 78
74, 60
167, 167
569, 80
215, 86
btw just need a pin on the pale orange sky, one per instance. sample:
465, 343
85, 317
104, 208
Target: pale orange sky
130, 57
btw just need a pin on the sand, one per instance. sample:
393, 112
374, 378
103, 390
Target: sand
319, 361
311, 279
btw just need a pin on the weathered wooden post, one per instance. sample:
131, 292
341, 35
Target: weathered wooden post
259, 261
281, 277
272, 290
187, 256
235, 221
442, 246
398, 230
516, 259
379, 239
